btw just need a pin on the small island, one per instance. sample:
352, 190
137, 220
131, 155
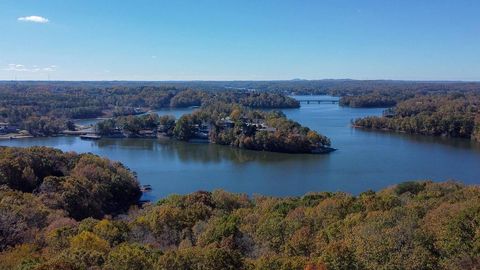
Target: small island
223, 124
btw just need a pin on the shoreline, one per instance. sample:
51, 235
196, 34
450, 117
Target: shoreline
393, 131
321, 151
15, 137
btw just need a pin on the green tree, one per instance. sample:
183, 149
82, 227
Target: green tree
183, 129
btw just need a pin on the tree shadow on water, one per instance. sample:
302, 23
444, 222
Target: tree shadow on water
205, 152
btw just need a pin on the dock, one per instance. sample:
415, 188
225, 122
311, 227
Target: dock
90, 137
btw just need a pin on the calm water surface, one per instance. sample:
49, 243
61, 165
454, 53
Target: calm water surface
365, 159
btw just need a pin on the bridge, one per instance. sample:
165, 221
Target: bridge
317, 101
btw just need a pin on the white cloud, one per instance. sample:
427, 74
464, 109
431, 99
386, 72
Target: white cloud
34, 19
50, 68
34, 68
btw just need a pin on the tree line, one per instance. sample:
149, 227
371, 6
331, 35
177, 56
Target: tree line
82, 185
452, 115
133, 125
252, 129
373, 100
389, 97
45, 109
226, 124
68, 211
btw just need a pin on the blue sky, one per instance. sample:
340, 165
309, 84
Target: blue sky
239, 40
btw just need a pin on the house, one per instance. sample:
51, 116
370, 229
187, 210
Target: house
268, 129
202, 131
117, 133
227, 122
7, 128
147, 133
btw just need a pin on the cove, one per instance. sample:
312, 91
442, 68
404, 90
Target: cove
364, 159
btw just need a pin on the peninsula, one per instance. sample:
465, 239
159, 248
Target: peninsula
224, 124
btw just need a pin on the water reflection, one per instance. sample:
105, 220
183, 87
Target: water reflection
203, 152
457, 143
365, 159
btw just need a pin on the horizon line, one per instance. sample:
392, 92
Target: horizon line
246, 80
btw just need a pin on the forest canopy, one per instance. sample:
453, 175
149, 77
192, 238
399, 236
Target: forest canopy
452, 115
225, 124
241, 127
45, 110
82, 185
414, 225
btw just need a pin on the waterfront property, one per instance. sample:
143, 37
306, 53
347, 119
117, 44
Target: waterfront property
6, 128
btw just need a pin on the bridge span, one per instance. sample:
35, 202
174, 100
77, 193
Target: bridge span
317, 101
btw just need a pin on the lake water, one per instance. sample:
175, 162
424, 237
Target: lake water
365, 159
